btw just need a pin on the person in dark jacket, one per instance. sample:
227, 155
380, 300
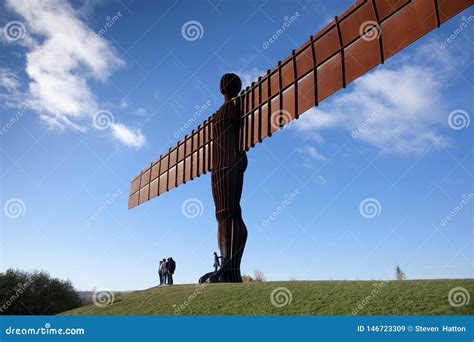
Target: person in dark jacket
171, 268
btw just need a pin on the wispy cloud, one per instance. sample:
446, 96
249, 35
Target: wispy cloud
63, 57
321, 180
128, 136
123, 103
8, 80
10, 93
249, 75
311, 152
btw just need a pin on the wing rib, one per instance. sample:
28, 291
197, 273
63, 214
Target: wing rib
340, 53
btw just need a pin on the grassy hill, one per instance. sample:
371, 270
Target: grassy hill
409, 297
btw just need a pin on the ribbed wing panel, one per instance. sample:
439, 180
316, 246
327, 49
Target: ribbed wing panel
364, 36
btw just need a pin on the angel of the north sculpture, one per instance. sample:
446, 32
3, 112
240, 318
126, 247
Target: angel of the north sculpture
362, 37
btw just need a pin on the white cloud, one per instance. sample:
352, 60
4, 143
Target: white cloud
311, 152
127, 136
321, 180
10, 95
141, 111
63, 58
247, 76
123, 103
8, 80
317, 120
398, 108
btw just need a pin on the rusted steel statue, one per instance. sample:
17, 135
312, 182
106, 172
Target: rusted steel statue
228, 167
362, 37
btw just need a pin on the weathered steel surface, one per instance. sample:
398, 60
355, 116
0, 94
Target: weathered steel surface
188, 159
228, 167
362, 37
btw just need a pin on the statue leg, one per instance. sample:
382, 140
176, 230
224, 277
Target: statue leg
232, 236
232, 232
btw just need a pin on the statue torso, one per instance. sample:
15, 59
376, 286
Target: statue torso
226, 136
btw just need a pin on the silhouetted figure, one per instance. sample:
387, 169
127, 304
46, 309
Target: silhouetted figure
160, 272
171, 268
164, 271
227, 178
216, 261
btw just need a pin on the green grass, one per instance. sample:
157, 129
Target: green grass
409, 297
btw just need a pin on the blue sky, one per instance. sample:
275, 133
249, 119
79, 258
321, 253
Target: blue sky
397, 141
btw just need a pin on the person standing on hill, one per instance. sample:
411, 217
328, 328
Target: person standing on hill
160, 272
171, 268
164, 271
217, 264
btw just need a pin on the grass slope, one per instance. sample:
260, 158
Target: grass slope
409, 297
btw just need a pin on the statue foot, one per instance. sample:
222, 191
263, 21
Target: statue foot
222, 276
205, 278
228, 275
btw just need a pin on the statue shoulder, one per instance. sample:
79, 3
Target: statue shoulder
229, 110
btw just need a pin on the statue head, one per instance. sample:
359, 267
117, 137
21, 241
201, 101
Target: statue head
230, 85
